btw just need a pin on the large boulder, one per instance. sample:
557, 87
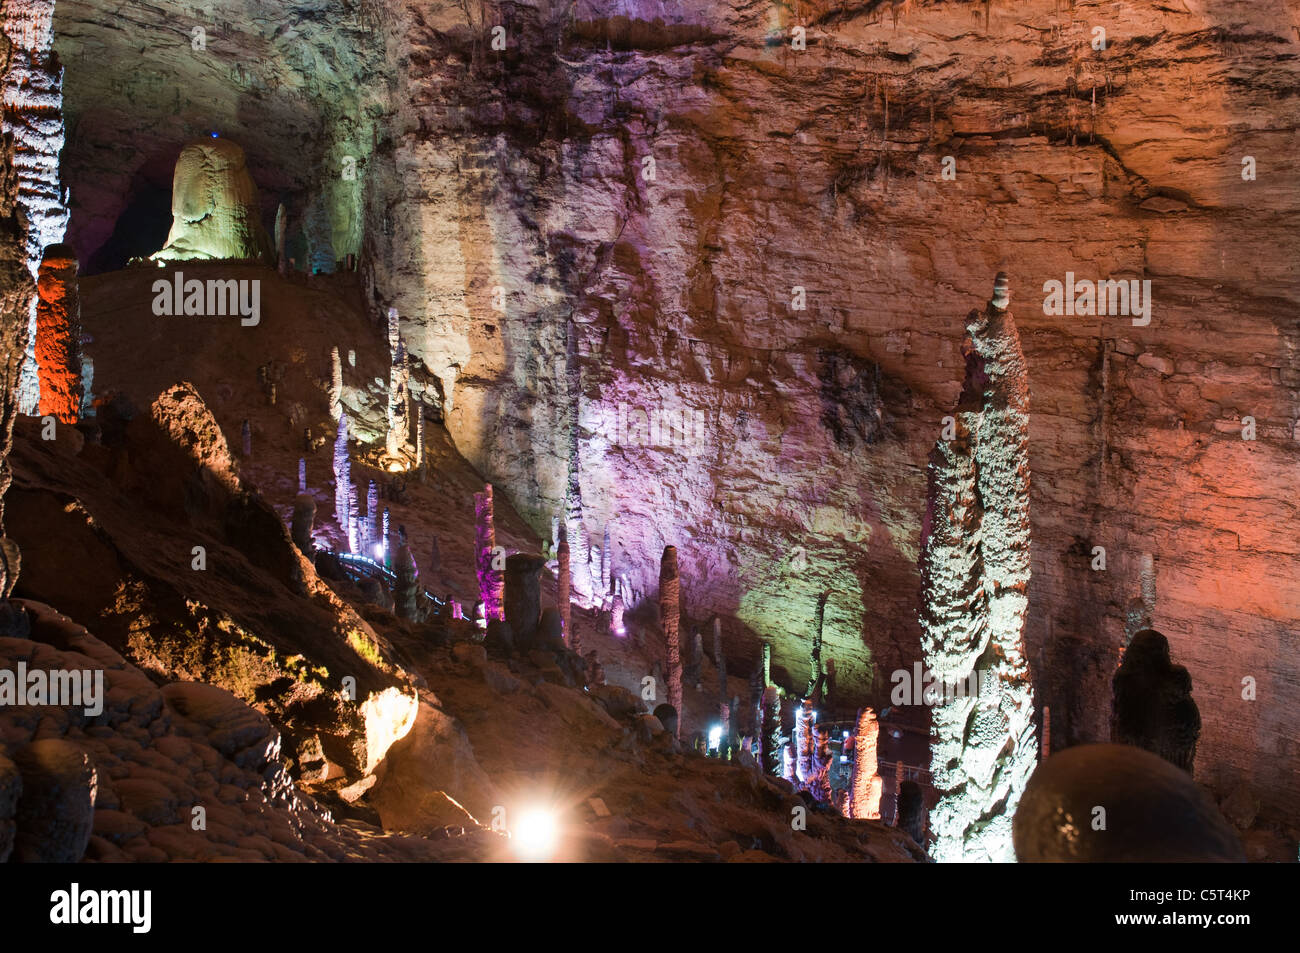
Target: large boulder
1118, 804
430, 779
215, 209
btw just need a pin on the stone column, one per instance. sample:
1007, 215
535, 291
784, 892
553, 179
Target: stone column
670, 615
58, 335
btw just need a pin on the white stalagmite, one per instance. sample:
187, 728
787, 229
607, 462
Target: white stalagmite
975, 579
342, 474
336, 384
399, 426
33, 117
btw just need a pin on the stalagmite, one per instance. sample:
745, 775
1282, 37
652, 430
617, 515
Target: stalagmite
399, 426
304, 514
419, 438
670, 615
372, 512
606, 560
866, 784
803, 741
773, 735
523, 598
563, 595
406, 584
336, 384
974, 577
490, 579
282, 260
58, 335
1152, 705
342, 473
383, 537
354, 521
720, 660
33, 119
302, 475
216, 213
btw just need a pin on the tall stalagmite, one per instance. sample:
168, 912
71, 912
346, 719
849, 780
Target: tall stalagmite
866, 785
670, 616
491, 581
974, 579
58, 334
342, 474
33, 117
563, 594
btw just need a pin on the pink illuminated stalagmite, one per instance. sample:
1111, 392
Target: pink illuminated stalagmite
491, 581
562, 592
864, 797
670, 613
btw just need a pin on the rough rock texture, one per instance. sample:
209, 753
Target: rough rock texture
522, 600
1118, 804
670, 619
215, 211
524, 170
185, 772
974, 578
867, 785
33, 117
58, 335
57, 808
1153, 706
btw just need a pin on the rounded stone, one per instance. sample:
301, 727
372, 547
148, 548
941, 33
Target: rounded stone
56, 811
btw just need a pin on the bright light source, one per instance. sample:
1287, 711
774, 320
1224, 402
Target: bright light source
379, 550
715, 737
534, 835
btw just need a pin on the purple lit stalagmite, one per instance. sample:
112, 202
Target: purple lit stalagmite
491, 581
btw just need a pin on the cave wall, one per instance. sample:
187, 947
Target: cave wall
523, 170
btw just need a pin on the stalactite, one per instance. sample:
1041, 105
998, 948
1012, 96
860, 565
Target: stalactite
866, 784
490, 581
974, 577
616, 627
342, 473
33, 119
58, 335
336, 384
670, 615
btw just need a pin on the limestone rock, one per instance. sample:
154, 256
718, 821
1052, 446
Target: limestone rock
215, 209
56, 810
1154, 812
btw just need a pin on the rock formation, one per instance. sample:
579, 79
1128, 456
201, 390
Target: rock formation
304, 516
33, 118
975, 577
490, 581
58, 335
1153, 706
342, 475
215, 209
522, 588
670, 618
336, 384
563, 595
866, 785
1118, 804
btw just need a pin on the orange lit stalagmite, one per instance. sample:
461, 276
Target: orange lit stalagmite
866, 786
58, 334
670, 613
